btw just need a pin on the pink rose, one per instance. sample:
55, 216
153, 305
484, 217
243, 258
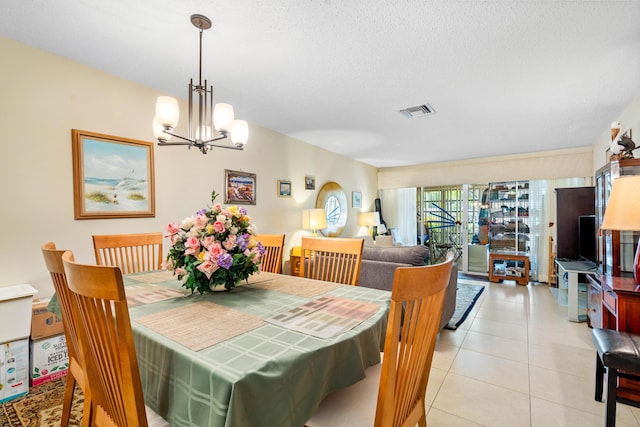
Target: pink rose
193, 246
217, 207
208, 241
218, 226
215, 250
173, 228
181, 271
201, 221
230, 243
208, 268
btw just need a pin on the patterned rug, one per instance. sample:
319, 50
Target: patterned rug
42, 407
466, 296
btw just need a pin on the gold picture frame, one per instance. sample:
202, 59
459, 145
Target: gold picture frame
113, 177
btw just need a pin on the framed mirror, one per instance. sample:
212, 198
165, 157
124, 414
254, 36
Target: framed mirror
333, 200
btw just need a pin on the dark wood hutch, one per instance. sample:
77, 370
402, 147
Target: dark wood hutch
613, 299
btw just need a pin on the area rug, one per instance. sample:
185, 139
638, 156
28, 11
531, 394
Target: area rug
467, 294
42, 407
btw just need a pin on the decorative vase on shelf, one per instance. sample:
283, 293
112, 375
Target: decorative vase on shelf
215, 249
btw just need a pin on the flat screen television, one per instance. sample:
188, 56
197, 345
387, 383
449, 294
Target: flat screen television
587, 238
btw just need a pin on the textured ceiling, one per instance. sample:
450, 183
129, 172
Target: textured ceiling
504, 77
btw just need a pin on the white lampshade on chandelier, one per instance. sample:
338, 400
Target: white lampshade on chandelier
211, 124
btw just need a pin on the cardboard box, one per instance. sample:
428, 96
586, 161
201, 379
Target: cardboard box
15, 312
43, 322
49, 360
14, 369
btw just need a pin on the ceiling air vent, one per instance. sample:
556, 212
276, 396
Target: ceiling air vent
423, 110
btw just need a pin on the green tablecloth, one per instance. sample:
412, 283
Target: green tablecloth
269, 376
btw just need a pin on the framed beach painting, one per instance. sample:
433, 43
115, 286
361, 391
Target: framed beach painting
239, 187
112, 176
284, 188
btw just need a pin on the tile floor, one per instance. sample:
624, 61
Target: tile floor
516, 361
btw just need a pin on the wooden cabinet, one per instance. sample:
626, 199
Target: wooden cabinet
594, 303
571, 203
615, 249
509, 216
620, 311
294, 260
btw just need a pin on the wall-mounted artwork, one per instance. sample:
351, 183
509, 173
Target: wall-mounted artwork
309, 182
240, 187
112, 176
356, 199
284, 188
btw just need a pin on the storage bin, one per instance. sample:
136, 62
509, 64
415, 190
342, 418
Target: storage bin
15, 312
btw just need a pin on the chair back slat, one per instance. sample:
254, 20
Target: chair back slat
331, 259
133, 253
53, 262
272, 258
106, 339
417, 299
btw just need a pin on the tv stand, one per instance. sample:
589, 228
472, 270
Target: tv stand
573, 269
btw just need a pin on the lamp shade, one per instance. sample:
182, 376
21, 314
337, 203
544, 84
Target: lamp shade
239, 132
223, 117
368, 219
314, 219
623, 207
167, 111
623, 212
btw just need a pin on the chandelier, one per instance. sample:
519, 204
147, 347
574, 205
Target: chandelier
209, 117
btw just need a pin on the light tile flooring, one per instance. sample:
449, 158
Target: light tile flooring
517, 361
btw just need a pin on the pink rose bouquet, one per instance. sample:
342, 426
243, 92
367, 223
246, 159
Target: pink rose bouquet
215, 248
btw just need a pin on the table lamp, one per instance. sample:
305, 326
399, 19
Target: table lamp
623, 211
369, 219
314, 220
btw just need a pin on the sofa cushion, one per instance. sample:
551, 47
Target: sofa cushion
413, 255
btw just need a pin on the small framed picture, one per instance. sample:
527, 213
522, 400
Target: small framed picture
356, 199
284, 188
240, 187
309, 182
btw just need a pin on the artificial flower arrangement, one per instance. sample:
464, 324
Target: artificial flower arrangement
216, 248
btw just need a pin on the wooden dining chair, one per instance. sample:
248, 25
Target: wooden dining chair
272, 258
106, 341
331, 259
133, 253
417, 298
76, 372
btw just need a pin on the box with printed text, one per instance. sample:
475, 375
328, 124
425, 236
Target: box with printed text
49, 360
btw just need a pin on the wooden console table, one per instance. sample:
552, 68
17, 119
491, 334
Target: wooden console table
620, 311
519, 271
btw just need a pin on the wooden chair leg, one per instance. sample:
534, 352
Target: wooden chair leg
68, 399
612, 385
599, 378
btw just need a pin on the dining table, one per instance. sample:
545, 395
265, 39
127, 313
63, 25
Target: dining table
262, 354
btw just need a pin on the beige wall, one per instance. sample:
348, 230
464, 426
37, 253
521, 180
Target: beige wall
45, 96
568, 163
630, 118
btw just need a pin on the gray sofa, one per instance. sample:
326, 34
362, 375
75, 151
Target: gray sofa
379, 264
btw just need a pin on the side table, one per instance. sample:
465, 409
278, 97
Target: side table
509, 266
294, 260
573, 269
